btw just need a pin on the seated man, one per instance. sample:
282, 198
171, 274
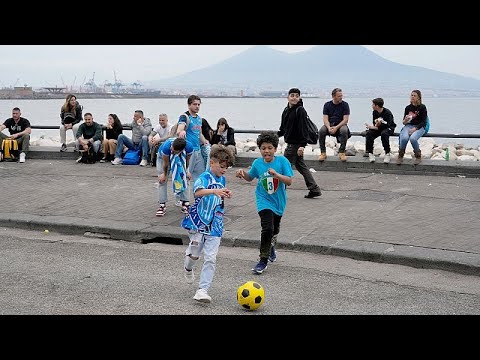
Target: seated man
175, 155
157, 137
89, 133
20, 130
336, 113
141, 128
383, 126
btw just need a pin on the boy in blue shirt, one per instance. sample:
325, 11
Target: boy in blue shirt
175, 154
204, 220
274, 174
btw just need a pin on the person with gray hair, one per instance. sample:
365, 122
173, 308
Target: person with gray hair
158, 136
141, 128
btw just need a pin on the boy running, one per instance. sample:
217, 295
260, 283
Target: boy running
274, 174
204, 220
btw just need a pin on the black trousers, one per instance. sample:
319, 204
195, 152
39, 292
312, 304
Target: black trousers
371, 135
270, 223
291, 154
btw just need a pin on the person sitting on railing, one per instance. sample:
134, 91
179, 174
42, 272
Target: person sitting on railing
158, 136
89, 134
336, 113
71, 116
20, 130
383, 126
225, 135
113, 128
141, 128
414, 121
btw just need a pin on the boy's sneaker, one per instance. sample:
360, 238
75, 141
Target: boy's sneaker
371, 157
387, 158
273, 254
144, 162
188, 275
202, 296
185, 206
22, 157
63, 148
117, 161
260, 267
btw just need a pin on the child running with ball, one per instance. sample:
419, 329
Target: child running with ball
274, 174
204, 220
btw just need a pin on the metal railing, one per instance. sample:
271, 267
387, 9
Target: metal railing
258, 131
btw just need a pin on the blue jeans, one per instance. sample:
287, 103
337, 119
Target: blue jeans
196, 165
162, 188
404, 137
124, 140
209, 245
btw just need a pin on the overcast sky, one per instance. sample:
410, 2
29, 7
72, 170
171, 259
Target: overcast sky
68, 65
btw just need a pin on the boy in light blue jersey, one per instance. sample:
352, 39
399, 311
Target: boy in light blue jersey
173, 154
274, 174
204, 220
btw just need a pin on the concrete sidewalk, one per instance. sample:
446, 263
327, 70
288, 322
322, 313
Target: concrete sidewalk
425, 221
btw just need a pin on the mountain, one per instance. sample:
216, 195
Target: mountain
354, 68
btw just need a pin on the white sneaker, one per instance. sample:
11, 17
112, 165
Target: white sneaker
117, 161
202, 296
143, 162
371, 157
387, 158
79, 159
22, 157
188, 275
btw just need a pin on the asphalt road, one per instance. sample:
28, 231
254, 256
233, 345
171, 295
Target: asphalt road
46, 274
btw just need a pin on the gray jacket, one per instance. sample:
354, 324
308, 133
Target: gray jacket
138, 131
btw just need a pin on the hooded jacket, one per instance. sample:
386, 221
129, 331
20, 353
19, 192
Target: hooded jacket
293, 125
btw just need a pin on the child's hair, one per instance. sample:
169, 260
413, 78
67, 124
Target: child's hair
267, 137
222, 154
179, 144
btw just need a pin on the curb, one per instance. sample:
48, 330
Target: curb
452, 261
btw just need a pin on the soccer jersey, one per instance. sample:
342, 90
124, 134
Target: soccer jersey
271, 193
206, 214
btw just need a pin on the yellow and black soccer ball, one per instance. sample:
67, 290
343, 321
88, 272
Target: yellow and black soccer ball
250, 295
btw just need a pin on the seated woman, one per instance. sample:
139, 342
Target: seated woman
224, 135
414, 121
113, 128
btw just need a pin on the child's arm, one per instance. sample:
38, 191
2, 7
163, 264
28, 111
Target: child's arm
287, 180
242, 174
224, 192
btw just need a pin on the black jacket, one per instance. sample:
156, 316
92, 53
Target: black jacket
230, 137
71, 118
293, 125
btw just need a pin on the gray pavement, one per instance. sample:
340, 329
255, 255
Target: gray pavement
373, 212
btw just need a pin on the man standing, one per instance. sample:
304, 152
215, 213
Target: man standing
89, 133
336, 113
190, 128
293, 128
20, 130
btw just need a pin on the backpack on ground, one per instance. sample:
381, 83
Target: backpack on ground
89, 156
311, 130
10, 150
132, 157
